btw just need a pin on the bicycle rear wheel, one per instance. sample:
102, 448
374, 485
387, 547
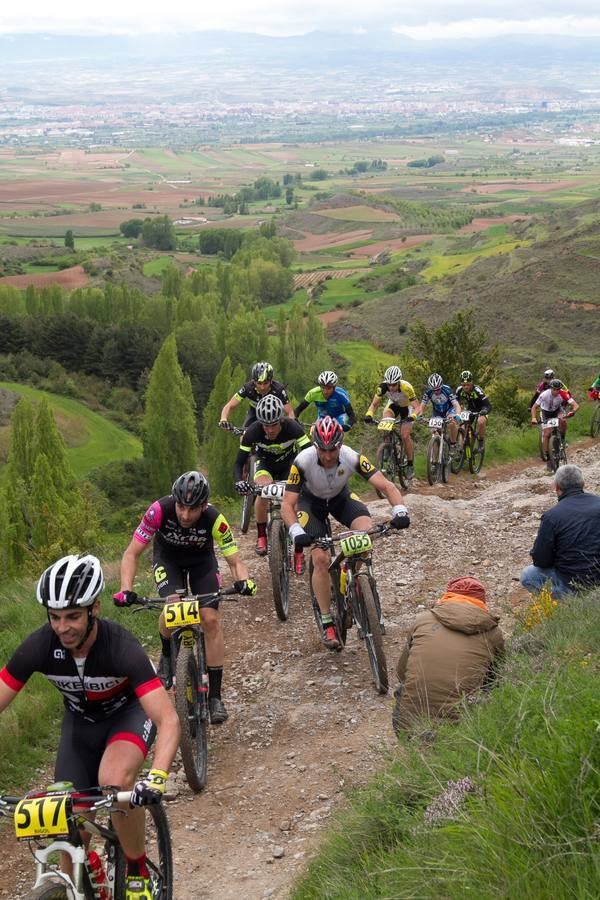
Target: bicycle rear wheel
192, 708
456, 463
595, 424
337, 606
248, 499
554, 449
368, 618
433, 457
400, 463
279, 566
384, 462
476, 455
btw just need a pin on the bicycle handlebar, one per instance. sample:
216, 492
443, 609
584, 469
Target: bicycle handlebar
378, 530
90, 801
230, 593
227, 426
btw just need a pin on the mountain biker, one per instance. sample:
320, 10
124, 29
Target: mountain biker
544, 385
185, 527
330, 400
401, 402
472, 397
317, 487
554, 402
260, 385
444, 404
276, 440
594, 389
114, 702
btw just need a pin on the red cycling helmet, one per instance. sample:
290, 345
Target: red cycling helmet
327, 434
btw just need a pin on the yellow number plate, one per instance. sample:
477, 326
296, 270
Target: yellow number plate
36, 816
182, 612
356, 543
385, 425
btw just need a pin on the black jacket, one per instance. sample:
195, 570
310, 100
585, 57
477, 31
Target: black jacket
569, 538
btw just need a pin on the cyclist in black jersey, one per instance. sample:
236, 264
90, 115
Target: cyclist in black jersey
185, 528
114, 702
261, 384
276, 441
472, 397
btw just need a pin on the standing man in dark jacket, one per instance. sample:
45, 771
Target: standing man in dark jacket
450, 652
566, 551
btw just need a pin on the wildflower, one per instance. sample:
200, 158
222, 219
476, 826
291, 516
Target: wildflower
449, 802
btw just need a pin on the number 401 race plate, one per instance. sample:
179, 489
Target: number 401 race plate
35, 816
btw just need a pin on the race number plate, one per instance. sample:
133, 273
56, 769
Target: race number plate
182, 612
36, 816
385, 425
551, 423
436, 422
273, 491
465, 415
356, 543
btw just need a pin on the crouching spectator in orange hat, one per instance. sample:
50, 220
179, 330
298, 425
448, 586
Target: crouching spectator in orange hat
450, 652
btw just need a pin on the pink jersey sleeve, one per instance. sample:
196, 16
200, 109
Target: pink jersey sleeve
151, 521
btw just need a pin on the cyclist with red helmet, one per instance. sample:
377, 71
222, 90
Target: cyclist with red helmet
317, 487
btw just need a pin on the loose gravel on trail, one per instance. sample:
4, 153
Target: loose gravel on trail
305, 724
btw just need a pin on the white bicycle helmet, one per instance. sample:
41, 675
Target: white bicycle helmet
71, 582
392, 375
269, 410
327, 379
435, 381
549, 373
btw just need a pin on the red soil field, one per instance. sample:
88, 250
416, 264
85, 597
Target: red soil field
70, 279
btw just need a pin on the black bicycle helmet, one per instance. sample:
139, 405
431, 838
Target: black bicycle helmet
72, 581
556, 384
191, 489
262, 371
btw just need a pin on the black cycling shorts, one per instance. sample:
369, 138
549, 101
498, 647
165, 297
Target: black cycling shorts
313, 511
400, 412
82, 743
171, 573
561, 411
277, 469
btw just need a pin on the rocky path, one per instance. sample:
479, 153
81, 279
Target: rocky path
305, 724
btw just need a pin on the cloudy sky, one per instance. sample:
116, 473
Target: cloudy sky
424, 20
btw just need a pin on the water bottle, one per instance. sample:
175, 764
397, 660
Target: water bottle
343, 578
97, 876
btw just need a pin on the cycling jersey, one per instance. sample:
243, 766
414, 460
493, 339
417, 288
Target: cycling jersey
543, 386
248, 392
596, 384
401, 396
307, 474
277, 451
337, 405
161, 523
475, 400
115, 674
442, 401
549, 402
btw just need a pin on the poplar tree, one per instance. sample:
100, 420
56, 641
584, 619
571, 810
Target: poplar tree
169, 433
221, 447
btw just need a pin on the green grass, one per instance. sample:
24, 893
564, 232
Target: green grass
450, 264
360, 353
157, 266
528, 829
104, 442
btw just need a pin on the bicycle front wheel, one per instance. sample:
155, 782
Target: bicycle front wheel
280, 573
191, 705
433, 459
595, 425
248, 499
555, 452
49, 891
368, 619
445, 465
476, 456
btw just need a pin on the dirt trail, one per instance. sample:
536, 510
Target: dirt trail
305, 724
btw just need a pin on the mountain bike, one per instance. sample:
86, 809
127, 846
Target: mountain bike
354, 595
595, 423
391, 456
467, 445
438, 452
281, 552
557, 452
56, 820
249, 470
183, 618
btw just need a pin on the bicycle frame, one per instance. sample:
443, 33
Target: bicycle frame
438, 451
279, 546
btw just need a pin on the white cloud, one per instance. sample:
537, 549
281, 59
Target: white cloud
565, 26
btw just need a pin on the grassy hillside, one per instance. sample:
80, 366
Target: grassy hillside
92, 440
503, 804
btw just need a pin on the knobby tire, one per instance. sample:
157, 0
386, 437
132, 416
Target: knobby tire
433, 454
248, 499
400, 462
371, 628
555, 452
280, 573
191, 707
458, 459
48, 891
384, 462
476, 457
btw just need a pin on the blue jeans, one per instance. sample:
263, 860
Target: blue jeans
533, 580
